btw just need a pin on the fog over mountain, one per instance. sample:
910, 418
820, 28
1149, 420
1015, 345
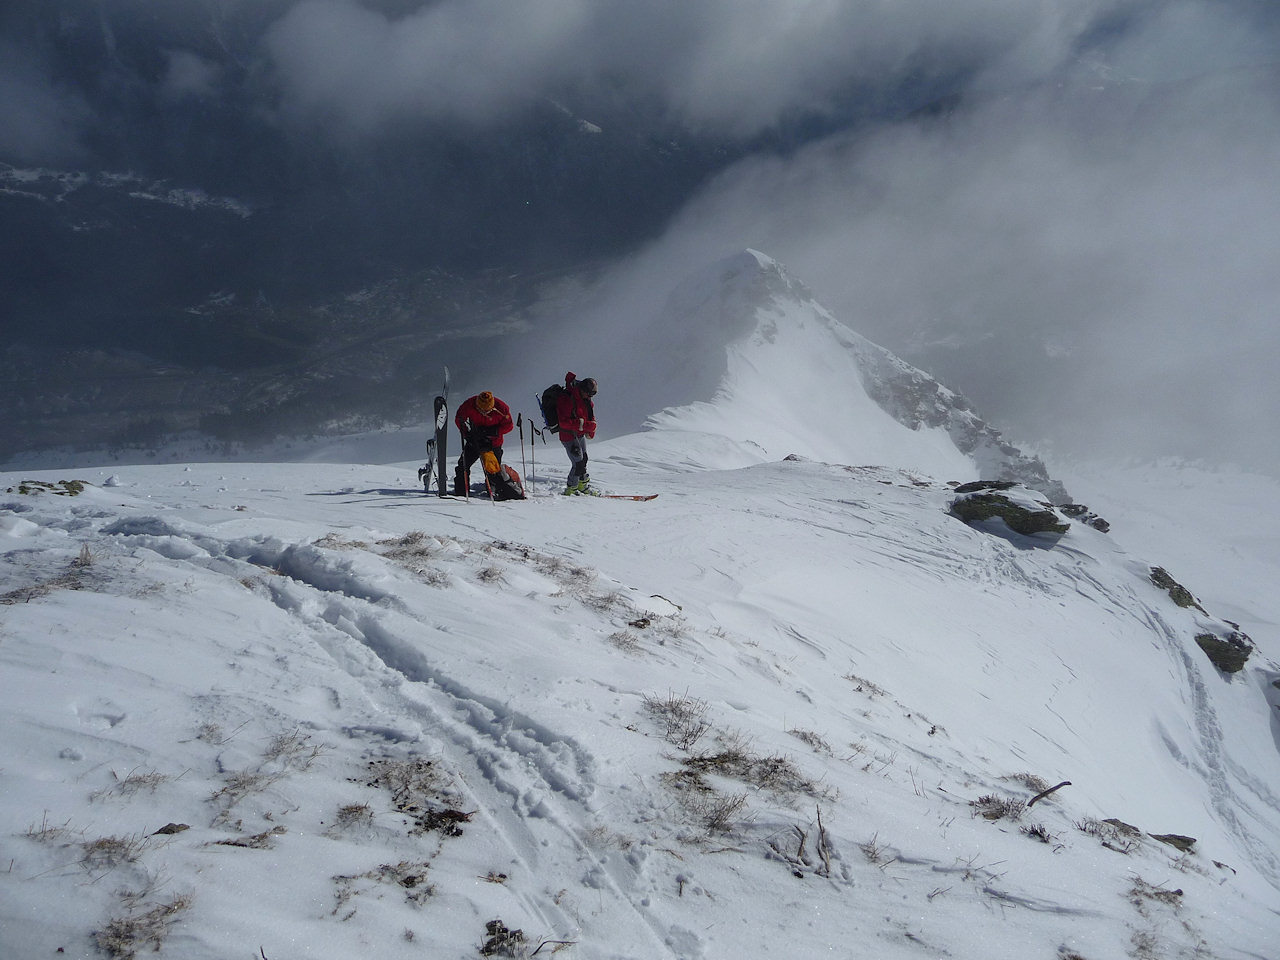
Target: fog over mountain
261, 216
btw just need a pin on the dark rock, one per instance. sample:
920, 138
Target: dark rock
987, 506
1228, 653
1081, 513
63, 488
1177, 592
1175, 840
1128, 829
977, 485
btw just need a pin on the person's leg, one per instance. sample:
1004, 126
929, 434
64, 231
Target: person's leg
577, 451
462, 475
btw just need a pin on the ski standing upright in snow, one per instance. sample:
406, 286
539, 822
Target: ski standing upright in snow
438, 443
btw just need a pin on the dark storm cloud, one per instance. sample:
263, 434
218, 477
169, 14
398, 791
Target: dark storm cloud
40, 120
189, 75
734, 66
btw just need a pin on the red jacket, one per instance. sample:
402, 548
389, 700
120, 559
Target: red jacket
484, 428
576, 414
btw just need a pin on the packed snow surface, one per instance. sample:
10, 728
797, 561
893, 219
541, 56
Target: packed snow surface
787, 709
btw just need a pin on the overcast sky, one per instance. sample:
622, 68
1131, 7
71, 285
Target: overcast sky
733, 65
1101, 206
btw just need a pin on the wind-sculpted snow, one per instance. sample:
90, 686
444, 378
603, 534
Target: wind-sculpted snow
757, 359
783, 710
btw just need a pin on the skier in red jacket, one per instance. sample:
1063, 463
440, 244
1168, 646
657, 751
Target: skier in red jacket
483, 421
576, 414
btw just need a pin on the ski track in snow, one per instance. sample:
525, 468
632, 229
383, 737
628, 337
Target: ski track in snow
528, 769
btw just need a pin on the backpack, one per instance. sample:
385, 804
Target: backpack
547, 404
505, 484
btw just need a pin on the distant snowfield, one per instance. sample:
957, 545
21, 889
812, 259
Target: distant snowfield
761, 716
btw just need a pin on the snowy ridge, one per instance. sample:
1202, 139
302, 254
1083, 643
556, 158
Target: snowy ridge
779, 710
800, 381
57, 185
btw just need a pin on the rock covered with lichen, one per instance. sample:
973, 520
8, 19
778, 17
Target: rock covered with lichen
998, 505
1223, 642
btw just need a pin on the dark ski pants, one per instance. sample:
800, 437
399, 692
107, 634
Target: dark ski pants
577, 451
471, 452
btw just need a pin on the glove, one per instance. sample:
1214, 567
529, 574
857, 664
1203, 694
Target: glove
591, 428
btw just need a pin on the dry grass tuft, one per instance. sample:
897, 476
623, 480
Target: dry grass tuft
862, 685
355, 815
812, 740
991, 807
107, 853
490, 574
1030, 781
683, 718
133, 782
408, 875
1039, 832
292, 750
258, 841
50, 833
1114, 834
626, 641
123, 937
418, 790
875, 851
1142, 892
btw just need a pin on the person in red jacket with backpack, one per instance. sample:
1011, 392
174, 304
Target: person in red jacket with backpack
483, 421
576, 415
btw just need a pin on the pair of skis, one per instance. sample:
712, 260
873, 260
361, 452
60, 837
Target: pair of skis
437, 443
620, 496
438, 451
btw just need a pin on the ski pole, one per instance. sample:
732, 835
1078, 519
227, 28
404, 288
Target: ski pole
520, 426
533, 454
462, 466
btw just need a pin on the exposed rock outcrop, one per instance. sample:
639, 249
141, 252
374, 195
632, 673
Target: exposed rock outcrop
1018, 508
1223, 642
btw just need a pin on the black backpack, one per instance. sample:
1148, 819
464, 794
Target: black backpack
547, 404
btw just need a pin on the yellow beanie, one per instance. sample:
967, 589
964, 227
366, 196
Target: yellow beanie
484, 402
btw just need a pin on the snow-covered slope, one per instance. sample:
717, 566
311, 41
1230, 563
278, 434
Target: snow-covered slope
755, 359
790, 709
